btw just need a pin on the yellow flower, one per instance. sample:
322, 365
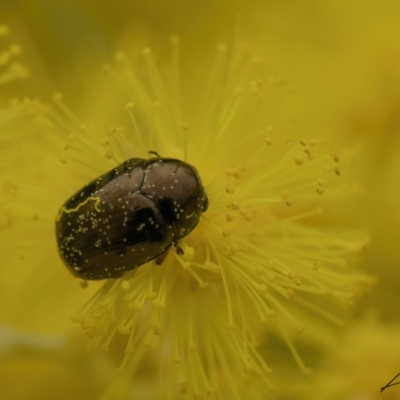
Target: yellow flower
10, 69
259, 259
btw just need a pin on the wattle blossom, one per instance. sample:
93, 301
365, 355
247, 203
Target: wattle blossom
262, 255
10, 68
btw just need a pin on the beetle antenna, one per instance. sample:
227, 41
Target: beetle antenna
154, 153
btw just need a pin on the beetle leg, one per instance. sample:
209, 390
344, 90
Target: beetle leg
179, 249
161, 258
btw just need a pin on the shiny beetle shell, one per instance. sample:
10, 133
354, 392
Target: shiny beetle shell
129, 216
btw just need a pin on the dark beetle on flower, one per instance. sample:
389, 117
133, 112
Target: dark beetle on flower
129, 216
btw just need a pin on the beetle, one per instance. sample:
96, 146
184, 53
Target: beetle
129, 216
